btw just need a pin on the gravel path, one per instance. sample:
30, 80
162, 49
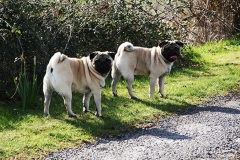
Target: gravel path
208, 131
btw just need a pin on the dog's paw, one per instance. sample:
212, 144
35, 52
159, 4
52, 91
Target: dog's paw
115, 95
163, 96
46, 114
101, 117
98, 114
72, 115
86, 111
134, 98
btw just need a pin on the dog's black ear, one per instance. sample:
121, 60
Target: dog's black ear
163, 43
93, 54
111, 54
180, 43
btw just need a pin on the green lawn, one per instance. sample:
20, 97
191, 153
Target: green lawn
29, 134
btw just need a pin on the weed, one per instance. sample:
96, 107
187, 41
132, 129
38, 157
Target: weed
27, 90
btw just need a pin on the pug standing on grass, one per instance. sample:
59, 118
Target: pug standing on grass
86, 75
155, 62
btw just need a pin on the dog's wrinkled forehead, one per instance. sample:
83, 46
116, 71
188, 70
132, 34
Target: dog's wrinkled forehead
102, 55
171, 44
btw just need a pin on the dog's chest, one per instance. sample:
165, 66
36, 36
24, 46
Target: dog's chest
81, 89
166, 69
141, 72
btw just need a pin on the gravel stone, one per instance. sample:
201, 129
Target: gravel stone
207, 131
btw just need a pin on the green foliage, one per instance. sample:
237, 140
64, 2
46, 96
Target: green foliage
76, 28
22, 85
41, 28
189, 58
27, 90
223, 46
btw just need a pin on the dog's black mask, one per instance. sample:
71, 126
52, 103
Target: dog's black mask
171, 50
102, 61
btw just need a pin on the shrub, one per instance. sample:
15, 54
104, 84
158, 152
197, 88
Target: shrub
76, 28
40, 29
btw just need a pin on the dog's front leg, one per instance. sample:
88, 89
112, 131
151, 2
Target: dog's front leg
97, 100
152, 84
86, 100
161, 86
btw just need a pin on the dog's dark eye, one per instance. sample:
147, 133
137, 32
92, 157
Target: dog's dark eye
108, 60
97, 61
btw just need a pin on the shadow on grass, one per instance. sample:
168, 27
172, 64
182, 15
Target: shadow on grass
115, 109
194, 71
11, 114
118, 116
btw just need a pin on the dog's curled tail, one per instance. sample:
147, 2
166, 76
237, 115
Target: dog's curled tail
127, 46
57, 58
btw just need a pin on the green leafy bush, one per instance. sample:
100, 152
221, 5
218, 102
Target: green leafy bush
42, 27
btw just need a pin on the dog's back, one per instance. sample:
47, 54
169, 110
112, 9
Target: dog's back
132, 57
58, 71
128, 47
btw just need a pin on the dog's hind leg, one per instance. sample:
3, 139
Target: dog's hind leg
129, 80
67, 102
116, 75
86, 99
47, 99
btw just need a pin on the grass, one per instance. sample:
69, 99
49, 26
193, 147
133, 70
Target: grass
29, 134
